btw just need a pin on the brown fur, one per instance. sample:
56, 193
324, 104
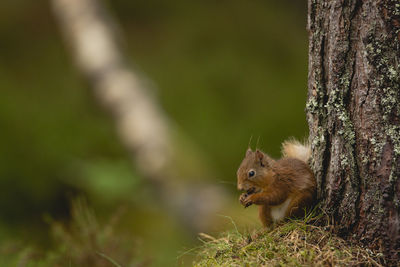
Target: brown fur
274, 182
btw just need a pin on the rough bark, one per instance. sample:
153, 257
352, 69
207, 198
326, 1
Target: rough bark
143, 127
353, 111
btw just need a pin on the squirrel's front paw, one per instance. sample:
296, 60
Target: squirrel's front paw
245, 200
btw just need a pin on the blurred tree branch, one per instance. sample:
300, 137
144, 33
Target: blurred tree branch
143, 128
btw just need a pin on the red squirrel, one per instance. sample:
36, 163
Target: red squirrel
282, 188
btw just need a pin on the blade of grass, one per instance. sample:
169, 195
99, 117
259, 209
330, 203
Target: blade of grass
108, 258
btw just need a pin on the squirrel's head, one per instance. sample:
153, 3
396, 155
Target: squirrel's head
254, 171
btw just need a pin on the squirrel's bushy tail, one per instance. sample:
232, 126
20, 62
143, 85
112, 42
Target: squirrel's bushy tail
294, 149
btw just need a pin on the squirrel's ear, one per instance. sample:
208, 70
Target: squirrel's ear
262, 158
248, 152
259, 154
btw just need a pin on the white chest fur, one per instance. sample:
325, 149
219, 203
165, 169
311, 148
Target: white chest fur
278, 212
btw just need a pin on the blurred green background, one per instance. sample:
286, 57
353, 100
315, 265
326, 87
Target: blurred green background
224, 71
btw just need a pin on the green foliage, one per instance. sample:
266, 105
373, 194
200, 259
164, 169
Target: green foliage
82, 242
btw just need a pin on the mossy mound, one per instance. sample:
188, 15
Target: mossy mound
293, 243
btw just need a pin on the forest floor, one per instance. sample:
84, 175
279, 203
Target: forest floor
292, 243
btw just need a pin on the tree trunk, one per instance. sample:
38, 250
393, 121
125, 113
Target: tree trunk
353, 111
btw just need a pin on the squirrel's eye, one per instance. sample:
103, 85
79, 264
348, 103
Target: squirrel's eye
251, 173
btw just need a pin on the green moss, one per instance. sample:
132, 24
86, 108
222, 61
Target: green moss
294, 243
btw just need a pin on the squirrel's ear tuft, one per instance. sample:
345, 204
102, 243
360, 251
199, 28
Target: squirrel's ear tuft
249, 152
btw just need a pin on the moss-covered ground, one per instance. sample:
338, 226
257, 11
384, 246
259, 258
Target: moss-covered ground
292, 243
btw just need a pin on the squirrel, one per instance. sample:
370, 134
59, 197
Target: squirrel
282, 188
